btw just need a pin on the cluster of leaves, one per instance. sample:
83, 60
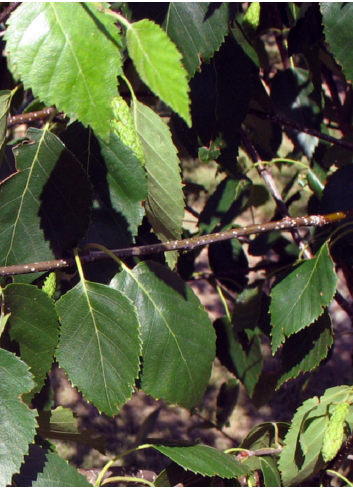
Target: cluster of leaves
109, 174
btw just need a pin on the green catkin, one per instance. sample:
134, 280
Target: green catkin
49, 285
123, 126
334, 433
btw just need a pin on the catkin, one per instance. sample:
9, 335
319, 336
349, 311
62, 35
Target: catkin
334, 433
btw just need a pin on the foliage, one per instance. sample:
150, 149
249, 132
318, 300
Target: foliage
141, 92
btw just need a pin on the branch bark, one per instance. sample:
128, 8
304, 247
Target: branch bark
286, 224
294, 125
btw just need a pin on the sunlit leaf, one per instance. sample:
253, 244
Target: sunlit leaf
77, 73
157, 61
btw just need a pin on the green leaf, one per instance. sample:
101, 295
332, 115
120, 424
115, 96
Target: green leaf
251, 19
337, 18
265, 435
226, 202
18, 422
293, 86
165, 203
34, 325
227, 400
157, 61
312, 286
46, 204
45, 469
61, 424
229, 263
58, 473
239, 353
75, 72
126, 181
118, 180
198, 39
99, 343
204, 460
305, 350
270, 472
301, 456
178, 337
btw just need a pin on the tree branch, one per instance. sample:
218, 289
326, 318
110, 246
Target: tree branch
34, 116
5, 14
286, 224
299, 127
272, 187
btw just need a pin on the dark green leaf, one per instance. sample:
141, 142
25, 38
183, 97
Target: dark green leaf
165, 203
58, 473
75, 72
198, 39
204, 460
99, 343
240, 352
119, 182
34, 325
305, 350
270, 472
227, 201
18, 422
337, 19
45, 205
226, 401
265, 435
229, 263
293, 87
178, 338
45, 469
126, 181
312, 286
157, 61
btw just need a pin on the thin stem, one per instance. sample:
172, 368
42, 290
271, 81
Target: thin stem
224, 302
340, 476
116, 15
122, 478
299, 127
273, 189
34, 116
286, 224
255, 453
115, 459
215, 427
